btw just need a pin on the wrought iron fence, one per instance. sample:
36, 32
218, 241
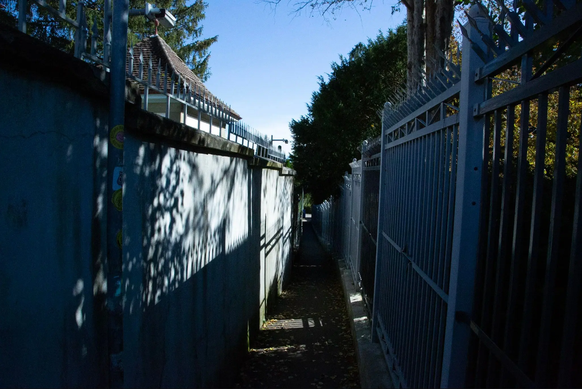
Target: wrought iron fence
479, 260
526, 314
322, 220
369, 218
479, 213
88, 31
417, 192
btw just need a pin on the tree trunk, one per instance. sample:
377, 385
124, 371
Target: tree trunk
409, 43
429, 30
443, 27
430, 16
415, 43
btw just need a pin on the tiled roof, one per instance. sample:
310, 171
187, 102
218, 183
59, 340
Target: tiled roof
161, 54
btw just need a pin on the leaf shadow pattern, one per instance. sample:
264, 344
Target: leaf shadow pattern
191, 264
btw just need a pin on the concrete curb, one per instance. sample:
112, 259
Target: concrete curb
371, 363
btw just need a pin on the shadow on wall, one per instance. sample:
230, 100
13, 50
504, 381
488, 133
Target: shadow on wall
190, 268
276, 233
191, 244
53, 329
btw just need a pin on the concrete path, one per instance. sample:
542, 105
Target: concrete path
307, 341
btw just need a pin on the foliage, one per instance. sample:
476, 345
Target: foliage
326, 7
429, 29
185, 38
344, 112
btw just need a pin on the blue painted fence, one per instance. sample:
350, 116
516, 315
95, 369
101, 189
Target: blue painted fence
478, 264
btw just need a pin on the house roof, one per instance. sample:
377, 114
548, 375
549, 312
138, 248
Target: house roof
162, 55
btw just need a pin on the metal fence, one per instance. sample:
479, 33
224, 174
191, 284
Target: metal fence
87, 27
323, 216
525, 321
354, 211
478, 271
417, 192
369, 218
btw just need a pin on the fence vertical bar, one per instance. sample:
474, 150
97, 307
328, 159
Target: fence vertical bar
79, 35
379, 237
533, 258
362, 210
573, 296
146, 88
22, 5
106, 31
467, 210
166, 91
200, 107
542, 374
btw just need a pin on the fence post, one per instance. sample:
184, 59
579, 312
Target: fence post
467, 207
22, 6
80, 33
361, 212
115, 175
379, 238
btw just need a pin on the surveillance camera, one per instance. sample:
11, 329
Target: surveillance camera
166, 18
162, 15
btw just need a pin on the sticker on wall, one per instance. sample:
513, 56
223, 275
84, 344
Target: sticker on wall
119, 239
117, 178
116, 136
117, 199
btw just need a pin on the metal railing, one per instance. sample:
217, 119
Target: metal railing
417, 191
89, 31
478, 260
469, 259
323, 216
91, 36
526, 312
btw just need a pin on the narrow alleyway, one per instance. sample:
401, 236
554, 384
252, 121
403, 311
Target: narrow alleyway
306, 341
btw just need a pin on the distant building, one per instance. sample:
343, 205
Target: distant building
157, 68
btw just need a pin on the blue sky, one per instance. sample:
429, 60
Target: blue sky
266, 61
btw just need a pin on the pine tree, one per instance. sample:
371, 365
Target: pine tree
185, 38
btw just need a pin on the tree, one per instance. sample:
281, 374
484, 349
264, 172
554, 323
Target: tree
185, 38
344, 111
429, 29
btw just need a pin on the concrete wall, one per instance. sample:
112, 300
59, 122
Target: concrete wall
206, 236
275, 234
206, 239
52, 279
